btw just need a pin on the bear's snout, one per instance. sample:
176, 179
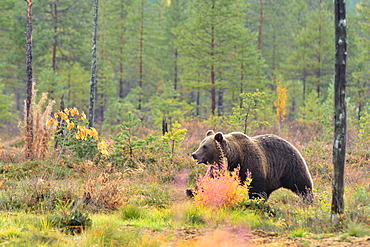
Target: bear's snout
194, 155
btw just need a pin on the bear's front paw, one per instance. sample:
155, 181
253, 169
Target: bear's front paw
189, 193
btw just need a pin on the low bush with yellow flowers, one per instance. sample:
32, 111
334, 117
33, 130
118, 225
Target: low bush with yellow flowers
73, 134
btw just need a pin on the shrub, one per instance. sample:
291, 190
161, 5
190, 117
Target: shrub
103, 192
74, 134
220, 188
70, 218
41, 132
131, 211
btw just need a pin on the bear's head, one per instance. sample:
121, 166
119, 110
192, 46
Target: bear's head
208, 152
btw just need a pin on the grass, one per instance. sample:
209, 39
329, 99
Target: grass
140, 208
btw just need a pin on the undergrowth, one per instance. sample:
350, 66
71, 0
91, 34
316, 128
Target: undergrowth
121, 196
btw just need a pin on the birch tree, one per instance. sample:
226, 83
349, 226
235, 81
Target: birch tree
340, 111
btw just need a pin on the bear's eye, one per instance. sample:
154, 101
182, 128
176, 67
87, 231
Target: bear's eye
205, 147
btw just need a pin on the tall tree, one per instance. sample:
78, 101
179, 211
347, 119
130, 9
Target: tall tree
210, 45
29, 83
93, 65
61, 61
359, 86
312, 53
340, 109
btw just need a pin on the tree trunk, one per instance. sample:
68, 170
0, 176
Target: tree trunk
175, 76
141, 52
93, 65
29, 84
213, 82
260, 24
340, 111
54, 16
220, 105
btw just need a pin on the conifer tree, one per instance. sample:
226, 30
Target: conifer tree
360, 84
210, 46
312, 53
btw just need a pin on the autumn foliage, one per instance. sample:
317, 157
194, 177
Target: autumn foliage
280, 102
220, 188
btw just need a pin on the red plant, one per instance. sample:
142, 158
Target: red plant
220, 187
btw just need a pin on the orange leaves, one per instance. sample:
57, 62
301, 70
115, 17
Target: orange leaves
221, 189
84, 132
280, 102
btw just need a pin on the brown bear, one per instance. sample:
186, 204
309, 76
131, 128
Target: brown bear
272, 161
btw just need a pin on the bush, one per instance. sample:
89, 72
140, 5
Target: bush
131, 211
70, 218
103, 192
74, 134
220, 188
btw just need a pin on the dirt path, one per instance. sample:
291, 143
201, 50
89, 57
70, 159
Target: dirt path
233, 236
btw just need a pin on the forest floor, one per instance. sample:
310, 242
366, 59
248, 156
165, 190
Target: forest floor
271, 231
236, 236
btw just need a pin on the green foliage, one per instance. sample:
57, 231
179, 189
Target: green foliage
174, 138
246, 113
131, 212
315, 115
166, 105
310, 60
35, 194
354, 229
260, 206
119, 110
156, 195
6, 107
298, 233
194, 216
216, 48
126, 143
69, 218
364, 129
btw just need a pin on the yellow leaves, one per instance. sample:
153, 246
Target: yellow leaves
70, 125
280, 102
83, 116
74, 111
73, 117
102, 147
84, 133
50, 121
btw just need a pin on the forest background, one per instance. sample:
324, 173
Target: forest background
170, 60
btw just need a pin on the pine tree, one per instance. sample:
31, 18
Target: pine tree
211, 46
313, 52
360, 84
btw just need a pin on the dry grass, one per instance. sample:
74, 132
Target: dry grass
41, 132
103, 192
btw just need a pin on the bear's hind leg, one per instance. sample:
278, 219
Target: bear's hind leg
303, 191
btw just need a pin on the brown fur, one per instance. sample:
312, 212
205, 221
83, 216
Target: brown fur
273, 162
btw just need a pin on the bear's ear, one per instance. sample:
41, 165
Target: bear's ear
210, 132
219, 137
